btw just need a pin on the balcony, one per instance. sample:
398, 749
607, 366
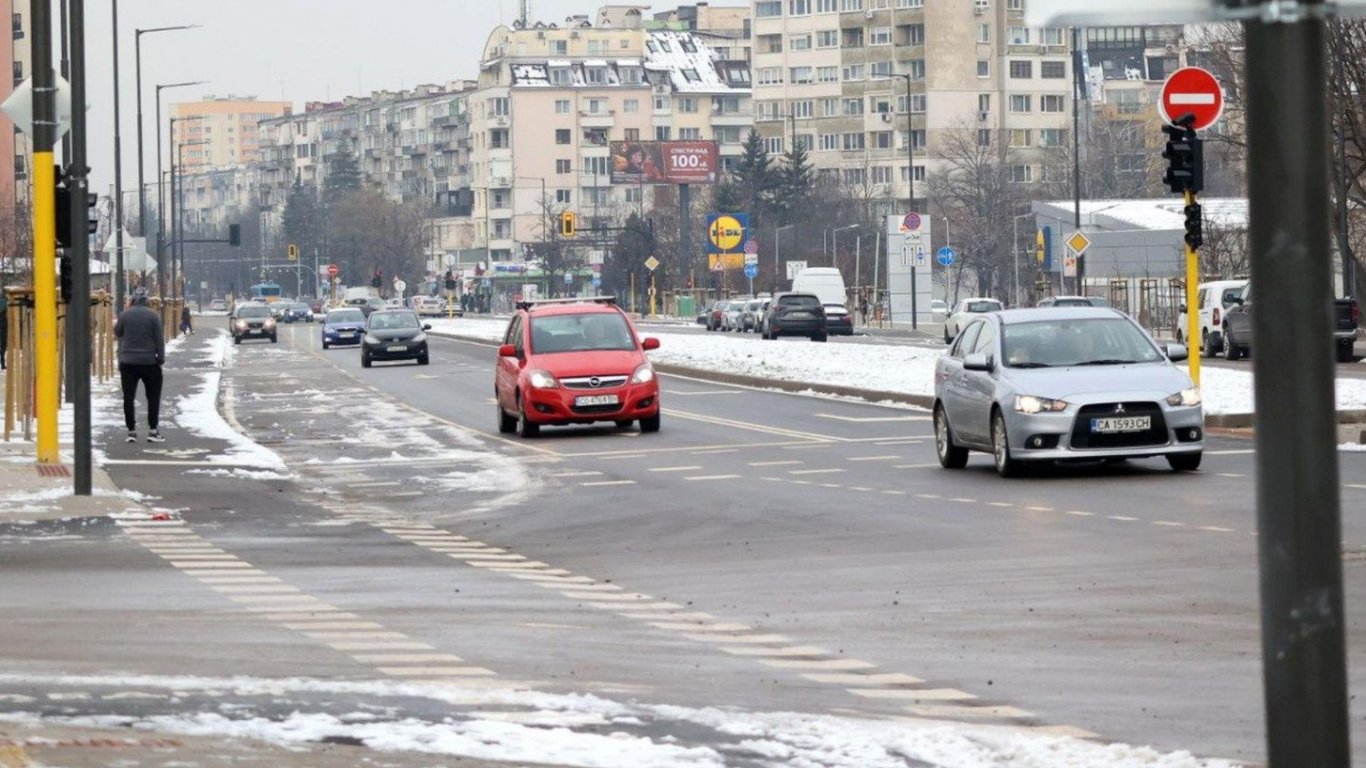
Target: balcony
500, 154
739, 118
597, 119
500, 182
414, 150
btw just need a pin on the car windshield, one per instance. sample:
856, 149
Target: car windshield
345, 316
1061, 343
253, 312
1229, 295
982, 306
300, 307
580, 332
1071, 303
836, 309
393, 321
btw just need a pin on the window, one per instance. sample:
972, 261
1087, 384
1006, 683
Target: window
879, 105
851, 5
632, 134
855, 177
916, 69
799, 43
773, 145
687, 104
828, 38
882, 140
595, 136
595, 75
853, 107
852, 38
1131, 163
559, 47
830, 107
1021, 137
1019, 36
827, 6
629, 75
803, 109
853, 141
981, 5
1052, 36
595, 166
828, 142
983, 33
767, 8
827, 74
727, 134
1052, 137
635, 195
663, 105
882, 174
853, 72
1021, 174
1020, 102
690, 134
880, 36
1021, 70
500, 107
799, 75
597, 106
983, 137
770, 75
983, 102
881, 70
1053, 70
798, 7
661, 133
1128, 102
562, 135
910, 3
914, 34
983, 68
919, 173
564, 196
630, 106
1052, 103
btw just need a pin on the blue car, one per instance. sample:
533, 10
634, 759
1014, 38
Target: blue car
343, 326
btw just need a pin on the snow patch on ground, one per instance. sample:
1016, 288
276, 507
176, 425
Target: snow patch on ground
1352, 447
244, 474
198, 413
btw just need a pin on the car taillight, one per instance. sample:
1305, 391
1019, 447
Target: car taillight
1216, 315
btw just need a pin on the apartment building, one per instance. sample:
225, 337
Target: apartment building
15, 149
834, 75
227, 127
724, 28
550, 100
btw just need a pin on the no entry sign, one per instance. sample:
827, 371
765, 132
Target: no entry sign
1193, 91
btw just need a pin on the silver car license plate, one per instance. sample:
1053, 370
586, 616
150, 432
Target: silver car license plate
596, 400
346, 335
1121, 424
398, 349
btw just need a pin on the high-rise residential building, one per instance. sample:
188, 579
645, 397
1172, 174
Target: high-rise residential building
228, 126
551, 98
15, 149
723, 27
834, 75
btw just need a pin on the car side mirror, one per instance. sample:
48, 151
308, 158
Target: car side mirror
1176, 352
426, 326
978, 361
648, 343
507, 350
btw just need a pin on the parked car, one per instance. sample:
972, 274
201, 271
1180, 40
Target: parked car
965, 312
752, 315
429, 306
394, 334
218, 305
344, 325
574, 362
715, 314
1031, 385
1214, 299
731, 318
796, 314
838, 321
1237, 327
318, 307
939, 310
1073, 301
252, 321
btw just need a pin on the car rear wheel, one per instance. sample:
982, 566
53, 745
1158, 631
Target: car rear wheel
507, 424
326, 345
1231, 349
947, 338
526, 427
650, 423
950, 456
1000, 448
1184, 462
1211, 346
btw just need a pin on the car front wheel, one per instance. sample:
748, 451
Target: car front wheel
525, 426
951, 456
365, 359
1231, 349
1184, 462
1000, 448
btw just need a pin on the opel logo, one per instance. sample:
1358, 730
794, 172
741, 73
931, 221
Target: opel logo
595, 382
1119, 408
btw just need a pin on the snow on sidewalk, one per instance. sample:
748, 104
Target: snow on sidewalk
887, 367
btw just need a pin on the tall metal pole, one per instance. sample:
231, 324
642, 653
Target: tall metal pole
1298, 513
68, 351
161, 207
1345, 254
118, 172
1076, 150
910, 196
44, 233
142, 183
79, 309
685, 226
169, 284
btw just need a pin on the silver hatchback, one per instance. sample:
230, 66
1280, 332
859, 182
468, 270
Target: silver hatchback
1031, 385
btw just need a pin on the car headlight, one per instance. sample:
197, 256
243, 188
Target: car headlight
269, 322
542, 380
1186, 397
420, 338
241, 324
644, 374
1031, 404
371, 339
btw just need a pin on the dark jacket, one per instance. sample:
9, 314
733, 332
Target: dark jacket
142, 339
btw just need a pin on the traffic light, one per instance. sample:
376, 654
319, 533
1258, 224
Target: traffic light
1194, 232
293, 252
1185, 156
234, 235
450, 281
377, 281
569, 224
64, 270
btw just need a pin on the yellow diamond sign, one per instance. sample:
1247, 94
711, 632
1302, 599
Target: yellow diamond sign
652, 263
1078, 242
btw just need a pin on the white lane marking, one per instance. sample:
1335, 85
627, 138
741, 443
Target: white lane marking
814, 471
1359, 487
491, 557
381, 646
961, 500
1216, 529
895, 493
1039, 509
912, 441
407, 658
212, 564
405, 495
320, 626
1079, 513
1169, 523
373, 484
552, 579
715, 451
236, 578
311, 616
148, 523
633, 607
528, 565
913, 694
601, 483
1228, 474
185, 551
1001, 504
858, 680
775, 463
826, 664
914, 466
793, 650
436, 671
874, 458
254, 589
687, 626
578, 587
675, 469
953, 712
300, 598
575, 474
357, 635
741, 639
206, 556
870, 419
859, 488
1238, 452
1122, 518
830, 485
623, 597
713, 477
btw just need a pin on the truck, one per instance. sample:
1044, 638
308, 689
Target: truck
1237, 326
826, 282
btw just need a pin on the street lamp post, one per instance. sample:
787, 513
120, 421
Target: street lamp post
137, 58
777, 264
835, 241
910, 147
178, 162
161, 199
1015, 251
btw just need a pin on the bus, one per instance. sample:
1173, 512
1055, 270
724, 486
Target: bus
267, 292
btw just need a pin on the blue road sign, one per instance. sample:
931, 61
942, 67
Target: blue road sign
597, 280
751, 271
946, 256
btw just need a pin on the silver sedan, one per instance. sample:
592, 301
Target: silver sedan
1033, 385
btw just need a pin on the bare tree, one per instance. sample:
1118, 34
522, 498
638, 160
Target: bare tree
1224, 253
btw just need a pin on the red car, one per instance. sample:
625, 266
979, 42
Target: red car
574, 361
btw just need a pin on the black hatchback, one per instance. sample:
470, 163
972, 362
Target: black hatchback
795, 314
394, 335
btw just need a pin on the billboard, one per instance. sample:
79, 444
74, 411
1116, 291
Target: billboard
663, 162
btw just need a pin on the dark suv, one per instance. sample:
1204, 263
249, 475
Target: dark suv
795, 314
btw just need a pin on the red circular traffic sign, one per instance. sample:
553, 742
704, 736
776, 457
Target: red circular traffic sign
1193, 91
333, 270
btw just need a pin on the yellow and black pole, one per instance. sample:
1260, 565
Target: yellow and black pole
1192, 329
44, 234
1186, 174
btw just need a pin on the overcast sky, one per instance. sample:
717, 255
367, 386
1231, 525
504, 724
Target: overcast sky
301, 50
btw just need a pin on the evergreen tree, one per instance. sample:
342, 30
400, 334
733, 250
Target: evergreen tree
343, 176
754, 178
302, 221
795, 185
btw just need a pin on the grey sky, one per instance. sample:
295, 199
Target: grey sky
305, 50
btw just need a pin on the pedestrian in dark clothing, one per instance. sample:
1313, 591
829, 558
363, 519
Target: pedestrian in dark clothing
185, 325
142, 352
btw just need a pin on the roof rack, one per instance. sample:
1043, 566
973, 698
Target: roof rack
528, 305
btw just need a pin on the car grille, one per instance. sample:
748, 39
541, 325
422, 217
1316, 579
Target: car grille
254, 325
587, 382
590, 409
1156, 434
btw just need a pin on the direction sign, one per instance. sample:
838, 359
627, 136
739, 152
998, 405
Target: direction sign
597, 281
751, 271
946, 256
1079, 242
333, 270
1194, 91
652, 263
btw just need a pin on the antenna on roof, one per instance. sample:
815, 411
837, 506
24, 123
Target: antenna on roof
525, 11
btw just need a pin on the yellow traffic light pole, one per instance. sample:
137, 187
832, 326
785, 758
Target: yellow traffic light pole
45, 303
1192, 310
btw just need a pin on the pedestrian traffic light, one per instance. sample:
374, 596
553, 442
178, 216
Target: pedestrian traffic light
377, 281
569, 224
235, 235
450, 281
1194, 231
64, 270
1185, 157
293, 252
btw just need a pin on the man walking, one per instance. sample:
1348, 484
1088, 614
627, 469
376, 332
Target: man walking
142, 352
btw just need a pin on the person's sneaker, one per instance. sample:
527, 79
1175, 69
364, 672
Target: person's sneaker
132, 437
155, 436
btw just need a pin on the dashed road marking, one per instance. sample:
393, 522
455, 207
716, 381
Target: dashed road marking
955, 711
675, 469
793, 650
856, 680
874, 458
1122, 518
815, 471
822, 664
576, 474
712, 477
1231, 452
1001, 504
606, 483
435, 671
737, 638
914, 466
964, 501
715, 451
788, 463
913, 694
1079, 513
1216, 529
1169, 523
1039, 509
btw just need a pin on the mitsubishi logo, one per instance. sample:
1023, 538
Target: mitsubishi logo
1119, 408
595, 382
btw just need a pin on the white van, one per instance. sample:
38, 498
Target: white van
825, 282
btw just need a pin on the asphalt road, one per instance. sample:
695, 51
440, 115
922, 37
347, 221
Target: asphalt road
764, 551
